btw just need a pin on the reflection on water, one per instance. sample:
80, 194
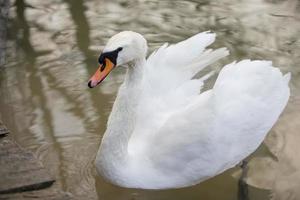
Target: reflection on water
52, 51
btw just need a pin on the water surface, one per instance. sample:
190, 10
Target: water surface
52, 51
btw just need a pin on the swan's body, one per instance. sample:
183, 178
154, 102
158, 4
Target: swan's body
162, 133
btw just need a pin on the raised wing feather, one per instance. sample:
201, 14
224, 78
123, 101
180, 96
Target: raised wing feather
170, 66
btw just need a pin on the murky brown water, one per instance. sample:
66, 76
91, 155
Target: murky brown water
52, 51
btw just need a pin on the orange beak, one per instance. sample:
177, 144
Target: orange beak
102, 71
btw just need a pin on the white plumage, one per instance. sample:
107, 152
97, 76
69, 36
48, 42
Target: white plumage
164, 133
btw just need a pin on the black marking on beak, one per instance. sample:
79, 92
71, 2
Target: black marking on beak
103, 66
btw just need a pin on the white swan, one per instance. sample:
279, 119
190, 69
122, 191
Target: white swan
162, 132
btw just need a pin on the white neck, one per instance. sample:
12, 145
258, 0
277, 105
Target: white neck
134, 73
113, 150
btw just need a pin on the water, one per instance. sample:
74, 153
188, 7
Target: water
52, 51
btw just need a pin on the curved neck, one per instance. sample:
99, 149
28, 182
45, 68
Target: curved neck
134, 73
121, 121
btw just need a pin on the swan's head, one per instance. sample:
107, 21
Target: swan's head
122, 48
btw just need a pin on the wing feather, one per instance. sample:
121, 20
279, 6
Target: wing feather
222, 125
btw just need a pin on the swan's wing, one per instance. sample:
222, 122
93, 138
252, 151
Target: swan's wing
222, 126
168, 73
170, 66
167, 84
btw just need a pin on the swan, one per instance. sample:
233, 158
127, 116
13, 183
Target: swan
163, 132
